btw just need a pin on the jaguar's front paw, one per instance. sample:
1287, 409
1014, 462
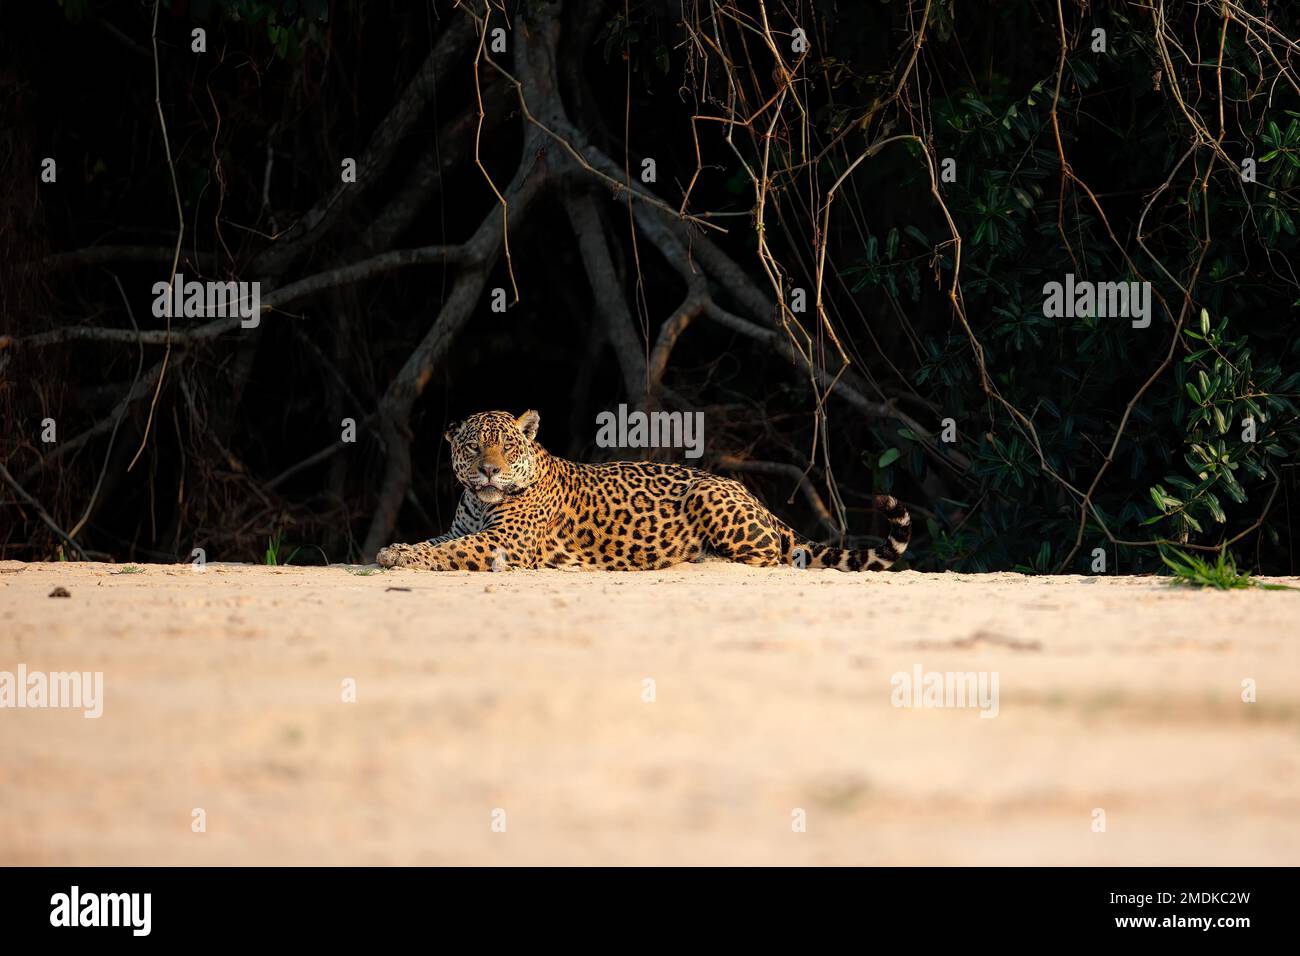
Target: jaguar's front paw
394, 556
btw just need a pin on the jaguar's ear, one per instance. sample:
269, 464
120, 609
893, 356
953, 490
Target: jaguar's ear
450, 433
528, 423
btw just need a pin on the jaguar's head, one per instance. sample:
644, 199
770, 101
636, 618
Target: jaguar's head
493, 453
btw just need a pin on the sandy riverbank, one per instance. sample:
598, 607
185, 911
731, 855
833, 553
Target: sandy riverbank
524, 692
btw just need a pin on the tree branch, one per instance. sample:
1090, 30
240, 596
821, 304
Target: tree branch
665, 236
451, 48
294, 291
36, 505
692, 306
99, 255
451, 148
608, 296
142, 387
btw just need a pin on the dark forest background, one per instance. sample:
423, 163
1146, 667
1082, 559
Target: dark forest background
790, 169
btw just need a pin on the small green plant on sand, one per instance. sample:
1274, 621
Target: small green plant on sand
274, 548
130, 569
1191, 571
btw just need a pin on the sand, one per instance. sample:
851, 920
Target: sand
711, 714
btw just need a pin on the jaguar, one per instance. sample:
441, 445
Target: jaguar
523, 507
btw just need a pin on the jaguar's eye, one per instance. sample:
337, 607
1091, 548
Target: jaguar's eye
471, 448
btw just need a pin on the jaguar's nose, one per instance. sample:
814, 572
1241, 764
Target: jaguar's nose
489, 470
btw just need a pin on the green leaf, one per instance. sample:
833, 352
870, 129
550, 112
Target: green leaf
917, 235
1232, 486
889, 457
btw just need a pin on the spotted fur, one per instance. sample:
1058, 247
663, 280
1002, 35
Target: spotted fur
526, 508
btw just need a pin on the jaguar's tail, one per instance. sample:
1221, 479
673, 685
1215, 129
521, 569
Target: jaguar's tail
850, 559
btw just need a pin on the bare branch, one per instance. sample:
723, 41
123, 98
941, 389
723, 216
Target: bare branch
681, 248
99, 255
609, 298
36, 505
368, 269
343, 275
142, 387
452, 146
690, 309
666, 237
117, 420
451, 48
